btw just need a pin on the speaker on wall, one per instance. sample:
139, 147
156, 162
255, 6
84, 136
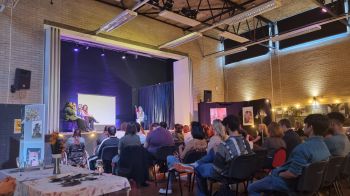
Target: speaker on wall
22, 80
207, 96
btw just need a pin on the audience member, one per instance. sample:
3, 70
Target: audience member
338, 144
112, 140
219, 136
299, 129
273, 142
7, 186
208, 131
178, 135
153, 126
211, 164
313, 150
140, 133
197, 144
103, 136
76, 150
130, 138
157, 138
187, 134
262, 135
291, 138
120, 133
164, 125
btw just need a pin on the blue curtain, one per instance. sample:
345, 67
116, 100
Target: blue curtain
157, 102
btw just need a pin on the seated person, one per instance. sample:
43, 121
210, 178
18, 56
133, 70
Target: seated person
120, 133
214, 164
7, 186
76, 150
70, 114
299, 129
164, 125
284, 178
338, 144
89, 119
219, 136
157, 138
140, 133
198, 143
208, 131
261, 136
130, 138
153, 126
112, 140
103, 136
291, 138
187, 134
273, 143
178, 135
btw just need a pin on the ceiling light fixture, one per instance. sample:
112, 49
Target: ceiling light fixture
232, 51
182, 40
233, 37
296, 33
118, 21
179, 18
255, 11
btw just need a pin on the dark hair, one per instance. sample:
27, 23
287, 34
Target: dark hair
336, 116
275, 130
197, 130
131, 129
319, 123
285, 122
77, 132
163, 124
105, 129
155, 125
232, 122
138, 126
178, 128
112, 130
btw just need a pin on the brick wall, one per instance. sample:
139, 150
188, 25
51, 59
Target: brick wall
27, 47
298, 74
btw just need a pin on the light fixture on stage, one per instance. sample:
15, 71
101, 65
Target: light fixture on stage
182, 40
87, 48
102, 54
123, 57
324, 10
121, 19
232, 51
296, 33
76, 49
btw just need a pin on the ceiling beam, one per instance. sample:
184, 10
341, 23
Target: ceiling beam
323, 6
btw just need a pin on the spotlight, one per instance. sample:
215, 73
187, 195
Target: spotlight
123, 57
324, 10
87, 48
76, 49
102, 54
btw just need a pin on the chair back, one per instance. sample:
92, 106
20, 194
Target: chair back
193, 156
164, 151
311, 178
242, 167
76, 154
108, 152
279, 158
346, 166
333, 170
260, 158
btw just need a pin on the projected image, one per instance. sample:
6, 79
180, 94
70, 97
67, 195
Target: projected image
217, 113
97, 109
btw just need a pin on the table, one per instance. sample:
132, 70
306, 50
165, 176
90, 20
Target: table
36, 183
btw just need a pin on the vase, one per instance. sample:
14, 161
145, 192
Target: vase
56, 161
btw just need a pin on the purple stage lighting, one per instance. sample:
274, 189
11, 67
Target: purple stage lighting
103, 54
123, 57
76, 50
324, 10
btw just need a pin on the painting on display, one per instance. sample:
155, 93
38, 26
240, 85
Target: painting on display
33, 156
217, 113
248, 116
36, 129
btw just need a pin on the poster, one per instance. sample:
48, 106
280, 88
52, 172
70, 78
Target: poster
248, 116
37, 129
17, 127
217, 113
33, 156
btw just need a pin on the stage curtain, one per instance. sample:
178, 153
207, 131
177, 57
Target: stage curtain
157, 102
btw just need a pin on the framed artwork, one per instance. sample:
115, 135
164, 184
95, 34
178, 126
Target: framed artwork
17, 127
248, 116
217, 113
37, 129
33, 156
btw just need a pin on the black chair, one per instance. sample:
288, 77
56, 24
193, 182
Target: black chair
133, 164
160, 159
311, 179
332, 173
190, 157
107, 155
241, 170
260, 160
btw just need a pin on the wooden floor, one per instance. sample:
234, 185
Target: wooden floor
152, 189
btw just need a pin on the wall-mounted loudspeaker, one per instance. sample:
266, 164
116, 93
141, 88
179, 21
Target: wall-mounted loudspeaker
207, 96
22, 80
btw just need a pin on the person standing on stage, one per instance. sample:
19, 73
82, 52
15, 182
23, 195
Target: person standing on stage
140, 115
